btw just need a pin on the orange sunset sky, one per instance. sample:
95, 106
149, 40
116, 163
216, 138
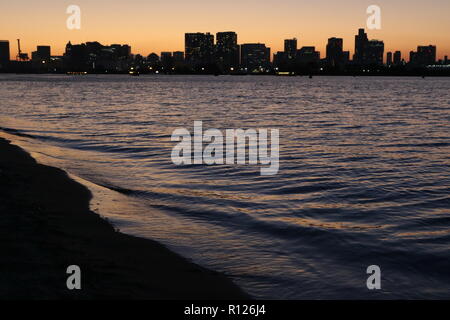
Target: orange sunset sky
156, 25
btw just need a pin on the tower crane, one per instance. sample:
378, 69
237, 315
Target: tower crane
21, 56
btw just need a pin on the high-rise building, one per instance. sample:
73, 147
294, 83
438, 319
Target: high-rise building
290, 48
255, 56
361, 43
4, 53
227, 51
374, 52
397, 58
413, 57
368, 52
199, 48
389, 58
335, 56
425, 55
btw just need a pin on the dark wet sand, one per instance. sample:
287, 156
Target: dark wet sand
46, 225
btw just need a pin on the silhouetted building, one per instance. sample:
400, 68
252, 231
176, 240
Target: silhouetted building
75, 57
166, 55
335, 54
308, 55
290, 48
227, 51
113, 58
178, 56
94, 48
166, 60
199, 48
4, 54
425, 55
281, 61
389, 60
397, 58
361, 43
41, 59
93, 56
138, 60
121, 51
367, 52
346, 57
42, 54
374, 52
255, 57
446, 60
153, 59
286, 60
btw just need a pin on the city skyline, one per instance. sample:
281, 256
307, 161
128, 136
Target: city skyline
350, 49
222, 54
157, 27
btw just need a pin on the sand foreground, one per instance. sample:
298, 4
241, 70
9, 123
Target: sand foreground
46, 226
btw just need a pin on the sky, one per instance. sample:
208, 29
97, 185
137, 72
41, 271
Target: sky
159, 25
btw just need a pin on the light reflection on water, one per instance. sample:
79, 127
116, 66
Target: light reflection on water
364, 173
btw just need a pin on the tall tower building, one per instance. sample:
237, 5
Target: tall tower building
227, 50
389, 58
335, 56
199, 48
290, 48
361, 43
397, 58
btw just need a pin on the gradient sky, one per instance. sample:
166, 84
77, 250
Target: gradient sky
159, 25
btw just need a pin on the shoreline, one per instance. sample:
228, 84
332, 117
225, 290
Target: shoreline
48, 226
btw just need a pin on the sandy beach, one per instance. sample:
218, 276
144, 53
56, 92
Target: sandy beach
47, 226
